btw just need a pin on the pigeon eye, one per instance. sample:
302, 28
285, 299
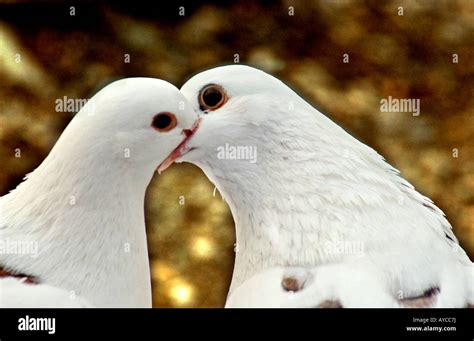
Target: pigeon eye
164, 121
212, 97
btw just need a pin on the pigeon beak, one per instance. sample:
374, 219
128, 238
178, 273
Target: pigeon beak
181, 149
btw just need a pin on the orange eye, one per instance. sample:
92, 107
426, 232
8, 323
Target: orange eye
164, 121
212, 97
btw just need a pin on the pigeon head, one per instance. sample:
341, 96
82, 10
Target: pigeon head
136, 120
242, 108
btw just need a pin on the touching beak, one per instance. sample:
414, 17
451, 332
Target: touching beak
181, 149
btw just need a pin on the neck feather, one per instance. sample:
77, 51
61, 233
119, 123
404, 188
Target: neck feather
82, 209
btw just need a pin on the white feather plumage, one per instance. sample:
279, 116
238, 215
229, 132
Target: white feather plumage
84, 205
314, 187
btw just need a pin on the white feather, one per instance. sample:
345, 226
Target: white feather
15, 293
315, 188
84, 205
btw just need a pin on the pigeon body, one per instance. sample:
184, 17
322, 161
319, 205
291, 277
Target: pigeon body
314, 195
83, 207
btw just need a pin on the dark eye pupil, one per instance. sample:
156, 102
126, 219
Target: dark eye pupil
212, 97
162, 121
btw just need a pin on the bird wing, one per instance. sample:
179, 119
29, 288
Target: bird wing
16, 293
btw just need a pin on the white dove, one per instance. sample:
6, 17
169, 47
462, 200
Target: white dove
83, 207
306, 194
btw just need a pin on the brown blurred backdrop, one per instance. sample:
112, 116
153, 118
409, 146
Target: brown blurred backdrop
404, 56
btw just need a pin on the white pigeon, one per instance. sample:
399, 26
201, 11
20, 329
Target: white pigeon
82, 209
306, 194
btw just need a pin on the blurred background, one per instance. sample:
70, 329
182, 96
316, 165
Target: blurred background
404, 49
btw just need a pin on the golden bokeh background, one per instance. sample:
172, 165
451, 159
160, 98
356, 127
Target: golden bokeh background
190, 228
